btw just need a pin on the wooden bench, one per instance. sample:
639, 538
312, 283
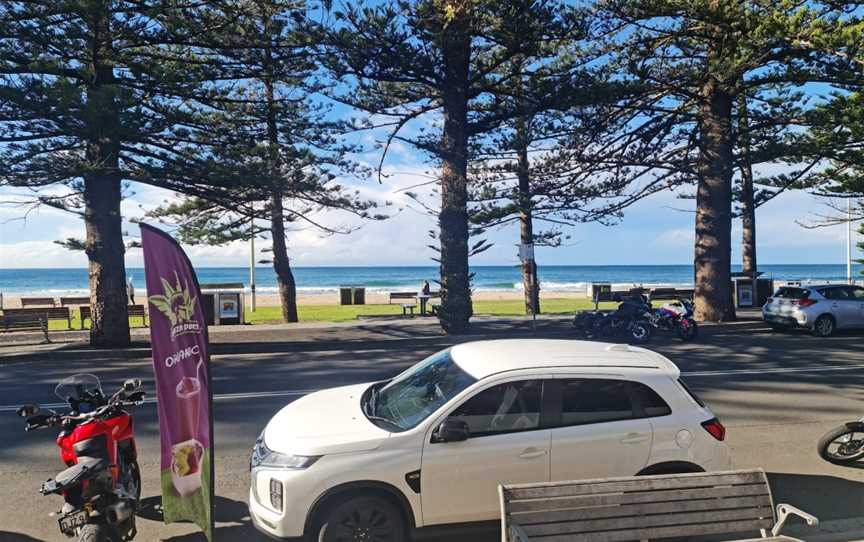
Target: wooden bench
25, 322
74, 301
135, 311
37, 302
406, 307
644, 508
47, 314
398, 296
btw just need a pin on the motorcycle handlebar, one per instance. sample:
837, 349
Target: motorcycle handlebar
53, 419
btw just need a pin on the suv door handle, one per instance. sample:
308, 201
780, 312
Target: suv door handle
635, 438
531, 453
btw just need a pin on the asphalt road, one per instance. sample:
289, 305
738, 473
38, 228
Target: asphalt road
775, 393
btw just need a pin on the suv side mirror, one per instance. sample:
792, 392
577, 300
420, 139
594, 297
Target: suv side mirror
452, 430
27, 410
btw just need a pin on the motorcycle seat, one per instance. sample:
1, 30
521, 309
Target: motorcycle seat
87, 467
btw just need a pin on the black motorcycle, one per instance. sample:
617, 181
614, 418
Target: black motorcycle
629, 321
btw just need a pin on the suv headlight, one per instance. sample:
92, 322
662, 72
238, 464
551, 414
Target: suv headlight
262, 456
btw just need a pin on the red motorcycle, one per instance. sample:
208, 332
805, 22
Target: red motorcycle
102, 484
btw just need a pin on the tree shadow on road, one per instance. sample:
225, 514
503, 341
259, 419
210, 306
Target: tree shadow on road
826, 497
232, 521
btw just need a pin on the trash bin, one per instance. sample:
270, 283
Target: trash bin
745, 297
359, 295
223, 303
345, 295
600, 288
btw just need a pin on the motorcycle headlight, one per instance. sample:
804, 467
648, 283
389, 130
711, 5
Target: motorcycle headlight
262, 456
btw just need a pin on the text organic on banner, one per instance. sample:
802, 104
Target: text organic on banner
181, 362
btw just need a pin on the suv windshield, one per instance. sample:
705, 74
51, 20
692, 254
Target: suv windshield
412, 396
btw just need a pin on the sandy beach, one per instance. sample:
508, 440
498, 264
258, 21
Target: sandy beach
13, 301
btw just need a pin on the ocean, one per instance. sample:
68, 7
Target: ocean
573, 278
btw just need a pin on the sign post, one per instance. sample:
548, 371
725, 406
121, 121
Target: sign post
181, 363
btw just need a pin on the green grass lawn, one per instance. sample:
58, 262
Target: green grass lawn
347, 313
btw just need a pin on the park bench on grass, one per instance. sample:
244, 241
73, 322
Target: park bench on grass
25, 322
47, 314
408, 307
398, 296
135, 311
74, 301
645, 508
37, 302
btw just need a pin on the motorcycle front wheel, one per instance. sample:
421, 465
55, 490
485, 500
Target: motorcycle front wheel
687, 329
842, 445
640, 332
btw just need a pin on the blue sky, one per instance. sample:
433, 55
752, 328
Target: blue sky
652, 232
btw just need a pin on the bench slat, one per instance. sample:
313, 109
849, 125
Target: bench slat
584, 501
659, 532
641, 483
682, 521
627, 510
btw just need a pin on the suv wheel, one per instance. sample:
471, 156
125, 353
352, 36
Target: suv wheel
824, 326
362, 519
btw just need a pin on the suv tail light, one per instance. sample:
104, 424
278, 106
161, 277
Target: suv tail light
806, 302
716, 429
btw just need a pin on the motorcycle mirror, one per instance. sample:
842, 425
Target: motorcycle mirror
131, 385
27, 410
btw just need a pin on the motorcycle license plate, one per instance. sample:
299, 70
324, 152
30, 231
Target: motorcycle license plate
72, 521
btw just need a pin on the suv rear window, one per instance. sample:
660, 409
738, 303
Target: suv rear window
792, 293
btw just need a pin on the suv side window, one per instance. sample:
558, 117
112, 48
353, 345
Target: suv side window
652, 405
589, 400
856, 293
505, 408
836, 294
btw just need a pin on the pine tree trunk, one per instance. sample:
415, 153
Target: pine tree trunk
102, 195
455, 310
748, 208
713, 295
281, 262
526, 225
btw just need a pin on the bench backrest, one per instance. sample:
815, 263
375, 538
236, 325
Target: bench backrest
22, 322
37, 301
48, 313
74, 301
403, 295
134, 310
640, 507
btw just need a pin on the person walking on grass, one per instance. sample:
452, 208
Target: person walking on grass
130, 290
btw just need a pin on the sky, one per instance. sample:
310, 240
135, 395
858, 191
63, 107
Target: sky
656, 231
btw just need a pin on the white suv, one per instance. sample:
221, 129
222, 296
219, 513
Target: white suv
375, 461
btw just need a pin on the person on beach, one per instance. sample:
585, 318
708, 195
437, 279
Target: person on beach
424, 290
130, 290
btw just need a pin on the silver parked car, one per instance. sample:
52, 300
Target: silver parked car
821, 308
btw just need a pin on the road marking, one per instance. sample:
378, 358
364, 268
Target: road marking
294, 393
217, 397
